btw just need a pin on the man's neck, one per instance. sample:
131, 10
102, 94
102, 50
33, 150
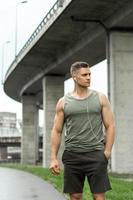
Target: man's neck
81, 92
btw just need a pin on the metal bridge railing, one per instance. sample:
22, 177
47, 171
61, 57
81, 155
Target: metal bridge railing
52, 11
58, 4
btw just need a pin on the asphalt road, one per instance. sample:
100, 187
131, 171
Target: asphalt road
19, 185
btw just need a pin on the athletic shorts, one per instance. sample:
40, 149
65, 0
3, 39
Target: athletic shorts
92, 165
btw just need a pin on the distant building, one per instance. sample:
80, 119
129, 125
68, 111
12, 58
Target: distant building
8, 125
11, 127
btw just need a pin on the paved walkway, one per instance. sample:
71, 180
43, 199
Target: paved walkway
19, 185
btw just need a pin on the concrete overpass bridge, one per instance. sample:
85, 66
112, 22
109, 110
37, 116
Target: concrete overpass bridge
14, 141
10, 141
76, 30
6, 142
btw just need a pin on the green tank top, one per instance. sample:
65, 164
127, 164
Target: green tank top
83, 123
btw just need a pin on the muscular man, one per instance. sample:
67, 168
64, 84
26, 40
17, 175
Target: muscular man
87, 147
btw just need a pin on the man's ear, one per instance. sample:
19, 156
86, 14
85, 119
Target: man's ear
74, 78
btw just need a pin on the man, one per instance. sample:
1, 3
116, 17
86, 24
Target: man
87, 148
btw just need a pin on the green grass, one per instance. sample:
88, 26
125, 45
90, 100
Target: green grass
122, 189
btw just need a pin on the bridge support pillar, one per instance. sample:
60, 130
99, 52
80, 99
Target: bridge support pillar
30, 134
3, 153
53, 89
121, 96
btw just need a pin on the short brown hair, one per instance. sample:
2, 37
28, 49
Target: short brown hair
77, 65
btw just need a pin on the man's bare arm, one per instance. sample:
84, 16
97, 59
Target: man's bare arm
108, 121
56, 136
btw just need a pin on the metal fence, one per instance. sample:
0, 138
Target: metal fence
58, 4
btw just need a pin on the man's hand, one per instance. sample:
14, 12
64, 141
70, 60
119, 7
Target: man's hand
107, 154
54, 167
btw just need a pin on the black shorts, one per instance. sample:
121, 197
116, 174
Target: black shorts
92, 165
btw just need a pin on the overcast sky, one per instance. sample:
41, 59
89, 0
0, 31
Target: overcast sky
29, 15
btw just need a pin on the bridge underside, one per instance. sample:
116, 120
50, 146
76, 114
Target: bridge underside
65, 40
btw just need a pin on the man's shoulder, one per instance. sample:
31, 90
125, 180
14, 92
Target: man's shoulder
60, 103
100, 94
102, 97
61, 99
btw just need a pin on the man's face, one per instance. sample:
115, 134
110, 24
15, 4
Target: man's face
82, 77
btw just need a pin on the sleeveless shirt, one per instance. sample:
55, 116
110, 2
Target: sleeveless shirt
83, 123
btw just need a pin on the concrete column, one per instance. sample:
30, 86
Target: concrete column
121, 96
53, 89
3, 153
30, 134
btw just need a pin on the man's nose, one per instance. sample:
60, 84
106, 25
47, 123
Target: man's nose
88, 77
